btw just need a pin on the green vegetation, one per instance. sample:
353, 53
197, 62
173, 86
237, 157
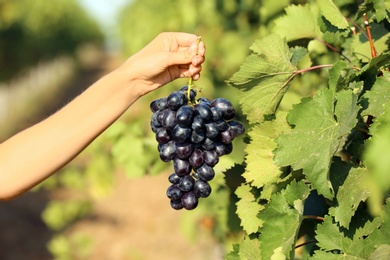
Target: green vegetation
31, 31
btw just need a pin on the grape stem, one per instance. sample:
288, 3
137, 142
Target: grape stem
191, 80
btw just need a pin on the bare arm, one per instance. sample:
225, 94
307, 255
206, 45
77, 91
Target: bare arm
34, 154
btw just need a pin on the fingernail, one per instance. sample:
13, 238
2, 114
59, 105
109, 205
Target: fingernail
193, 48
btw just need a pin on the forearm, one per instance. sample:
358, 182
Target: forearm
37, 152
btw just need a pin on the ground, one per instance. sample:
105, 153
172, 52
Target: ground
123, 225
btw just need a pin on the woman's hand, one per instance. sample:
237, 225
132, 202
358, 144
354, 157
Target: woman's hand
168, 57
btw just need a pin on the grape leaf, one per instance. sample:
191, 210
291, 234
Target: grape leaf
377, 159
300, 22
261, 169
350, 194
378, 96
382, 8
331, 12
320, 124
361, 46
350, 243
248, 208
249, 248
281, 218
263, 77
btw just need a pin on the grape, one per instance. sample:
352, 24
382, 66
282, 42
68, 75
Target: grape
193, 133
198, 124
184, 150
186, 183
196, 159
174, 192
189, 200
202, 188
176, 204
181, 167
162, 104
162, 136
176, 99
237, 127
205, 172
181, 134
167, 151
225, 106
203, 111
184, 115
174, 178
211, 158
154, 106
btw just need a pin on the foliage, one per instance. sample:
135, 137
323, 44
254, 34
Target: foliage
34, 30
330, 148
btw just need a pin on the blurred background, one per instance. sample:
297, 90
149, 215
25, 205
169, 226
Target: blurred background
110, 202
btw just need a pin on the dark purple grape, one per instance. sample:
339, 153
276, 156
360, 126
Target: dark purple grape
196, 158
162, 136
155, 128
176, 99
237, 127
184, 115
211, 157
198, 124
186, 183
229, 148
181, 134
167, 151
211, 130
154, 106
174, 178
176, 204
225, 106
208, 144
169, 118
227, 136
174, 192
204, 101
205, 172
217, 114
162, 104
222, 125
189, 200
197, 137
154, 119
184, 150
202, 188
181, 167
203, 111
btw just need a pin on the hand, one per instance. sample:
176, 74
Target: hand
168, 57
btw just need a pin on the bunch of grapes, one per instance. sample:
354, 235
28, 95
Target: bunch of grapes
193, 134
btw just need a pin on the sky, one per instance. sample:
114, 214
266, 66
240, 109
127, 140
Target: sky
105, 13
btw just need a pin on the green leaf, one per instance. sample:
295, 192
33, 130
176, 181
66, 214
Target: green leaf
361, 46
282, 218
300, 22
261, 169
382, 8
249, 248
378, 96
351, 243
350, 194
320, 126
331, 12
248, 208
377, 157
263, 78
